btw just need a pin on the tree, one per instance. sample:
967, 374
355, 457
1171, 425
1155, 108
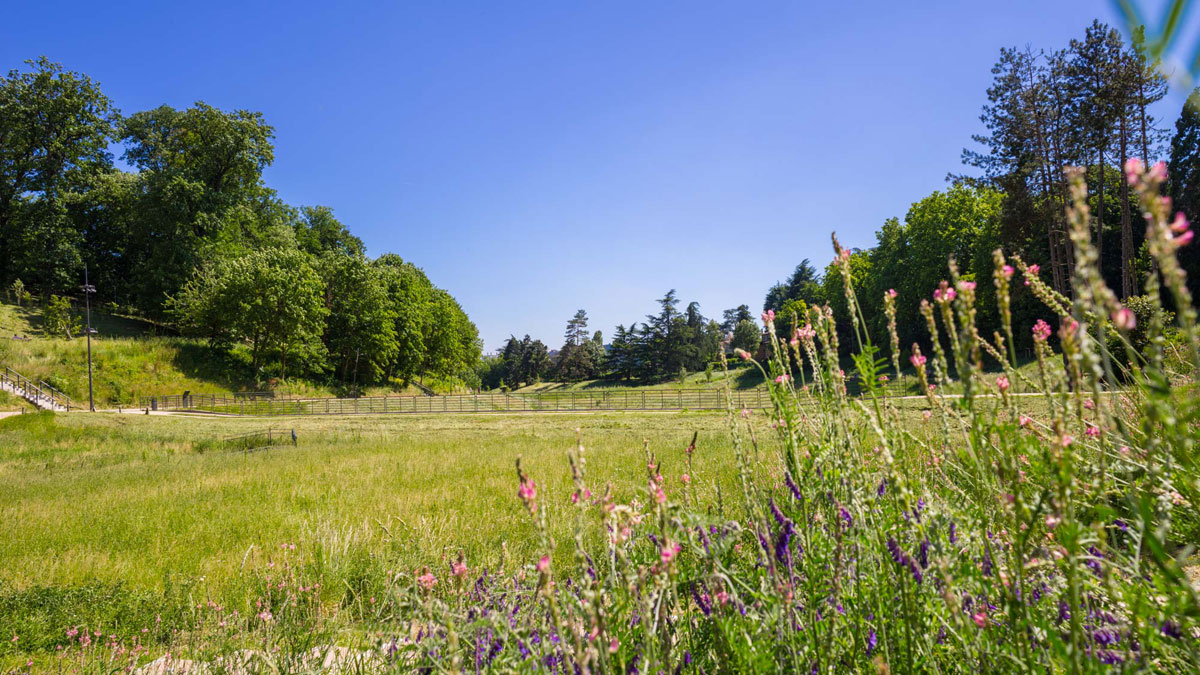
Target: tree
804, 284
55, 127
318, 232
17, 291
575, 357
201, 193
271, 299
360, 333
730, 318
57, 319
1183, 170
746, 336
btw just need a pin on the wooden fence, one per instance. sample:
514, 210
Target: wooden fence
639, 399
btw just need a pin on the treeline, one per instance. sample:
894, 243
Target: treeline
193, 237
669, 344
1086, 104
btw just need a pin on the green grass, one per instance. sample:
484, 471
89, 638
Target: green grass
131, 362
129, 499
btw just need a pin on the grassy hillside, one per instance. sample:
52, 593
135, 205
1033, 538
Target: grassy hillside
131, 359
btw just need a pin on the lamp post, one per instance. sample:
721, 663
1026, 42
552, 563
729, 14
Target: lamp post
88, 289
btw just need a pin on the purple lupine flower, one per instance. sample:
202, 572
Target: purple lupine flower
987, 561
791, 484
1064, 611
1106, 637
1171, 629
923, 554
702, 600
846, 517
1121, 525
872, 640
882, 488
953, 533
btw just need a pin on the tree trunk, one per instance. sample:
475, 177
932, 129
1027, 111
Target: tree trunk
1127, 280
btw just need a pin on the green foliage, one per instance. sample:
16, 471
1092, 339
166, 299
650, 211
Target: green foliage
271, 299
16, 292
746, 336
360, 333
58, 319
55, 127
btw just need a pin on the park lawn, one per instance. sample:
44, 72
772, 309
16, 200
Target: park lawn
128, 499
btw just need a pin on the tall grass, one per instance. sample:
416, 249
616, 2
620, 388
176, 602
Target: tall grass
1045, 533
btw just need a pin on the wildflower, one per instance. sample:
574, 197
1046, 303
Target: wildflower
265, 616
1066, 440
782, 378
685, 479
1007, 271
1052, 521
742, 354
1031, 271
1158, 172
872, 640
669, 552
527, 491
745, 413
458, 568
427, 580
883, 378
926, 414
768, 316
1093, 431
543, 564
1026, 421
980, 619
892, 293
1171, 629
1089, 404
1124, 319
1133, 170
660, 497
613, 646
1002, 383
1041, 331
917, 360
966, 286
807, 332
953, 533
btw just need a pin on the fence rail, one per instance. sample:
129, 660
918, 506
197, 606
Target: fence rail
645, 399
40, 393
259, 439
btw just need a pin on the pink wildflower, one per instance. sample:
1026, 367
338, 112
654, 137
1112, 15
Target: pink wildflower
1093, 431
1026, 421
1007, 271
1158, 172
768, 316
1041, 331
892, 293
1133, 170
917, 360
980, 619
543, 564
685, 479
1002, 383
1066, 440
614, 646
966, 285
427, 580
782, 378
742, 354
669, 552
1031, 271
458, 569
883, 378
1180, 224
1124, 319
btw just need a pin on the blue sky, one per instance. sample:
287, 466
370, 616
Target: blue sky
536, 158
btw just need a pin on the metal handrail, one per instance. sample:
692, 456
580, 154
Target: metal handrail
35, 393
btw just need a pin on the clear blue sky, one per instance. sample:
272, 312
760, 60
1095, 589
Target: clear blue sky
536, 158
